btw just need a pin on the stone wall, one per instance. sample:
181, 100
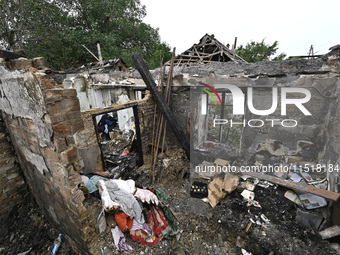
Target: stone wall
42, 121
13, 188
55, 142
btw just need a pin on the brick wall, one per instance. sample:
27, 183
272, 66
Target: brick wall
146, 108
43, 120
12, 185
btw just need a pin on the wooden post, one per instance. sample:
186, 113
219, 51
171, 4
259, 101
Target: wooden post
235, 44
99, 53
139, 140
163, 107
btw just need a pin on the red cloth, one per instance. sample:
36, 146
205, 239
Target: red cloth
156, 222
123, 221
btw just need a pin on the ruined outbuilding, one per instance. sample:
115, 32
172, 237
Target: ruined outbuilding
208, 50
49, 137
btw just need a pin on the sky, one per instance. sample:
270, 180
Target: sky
295, 24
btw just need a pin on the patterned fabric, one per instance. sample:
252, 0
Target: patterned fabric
156, 222
172, 230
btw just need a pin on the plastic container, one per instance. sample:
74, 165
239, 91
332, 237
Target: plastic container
56, 245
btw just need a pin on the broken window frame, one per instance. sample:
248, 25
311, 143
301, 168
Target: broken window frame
223, 95
134, 107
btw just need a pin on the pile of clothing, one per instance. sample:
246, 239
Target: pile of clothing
142, 213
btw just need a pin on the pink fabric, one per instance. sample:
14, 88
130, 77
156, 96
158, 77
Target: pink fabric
146, 196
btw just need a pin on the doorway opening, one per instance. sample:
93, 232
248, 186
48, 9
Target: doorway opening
118, 136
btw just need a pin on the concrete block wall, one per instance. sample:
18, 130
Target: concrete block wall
42, 121
13, 188
314, 139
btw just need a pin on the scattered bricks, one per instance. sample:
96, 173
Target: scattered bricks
39, 63
60, 144
50, 154
62, 130
69, 156
21, 64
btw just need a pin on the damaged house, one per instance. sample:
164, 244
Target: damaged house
60, 130
208, 50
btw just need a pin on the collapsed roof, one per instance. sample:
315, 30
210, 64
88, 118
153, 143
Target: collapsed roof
208, 50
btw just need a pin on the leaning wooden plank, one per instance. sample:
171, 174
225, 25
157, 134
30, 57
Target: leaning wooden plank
163, 107
296, 186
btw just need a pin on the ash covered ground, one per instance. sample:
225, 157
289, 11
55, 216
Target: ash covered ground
203, 229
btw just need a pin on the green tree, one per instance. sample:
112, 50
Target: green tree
57, 29
258, 51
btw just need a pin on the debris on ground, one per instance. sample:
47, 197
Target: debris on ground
27, 231
266, 222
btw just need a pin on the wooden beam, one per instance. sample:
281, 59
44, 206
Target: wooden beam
198, 53
306, 56
164, 108
296, 186
140, 161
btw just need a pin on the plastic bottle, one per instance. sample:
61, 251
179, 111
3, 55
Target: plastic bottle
57, 243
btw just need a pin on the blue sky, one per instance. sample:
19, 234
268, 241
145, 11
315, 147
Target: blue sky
295, 24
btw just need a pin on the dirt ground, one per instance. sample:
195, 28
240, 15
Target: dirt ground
203, 229
27, 230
